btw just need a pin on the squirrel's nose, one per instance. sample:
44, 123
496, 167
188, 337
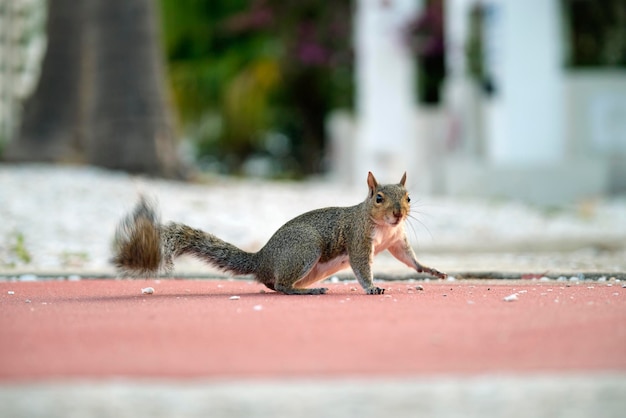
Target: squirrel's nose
397, 212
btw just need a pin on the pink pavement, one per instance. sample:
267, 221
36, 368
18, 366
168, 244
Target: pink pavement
194, 329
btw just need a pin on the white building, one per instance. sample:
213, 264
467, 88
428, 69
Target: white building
546, 134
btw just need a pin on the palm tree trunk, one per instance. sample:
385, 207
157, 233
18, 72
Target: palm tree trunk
50, 124
130, 123
101, 97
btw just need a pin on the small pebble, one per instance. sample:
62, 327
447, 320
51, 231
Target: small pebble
419, 287
147, 290
257, 307
334, 279
511, 298
10, 292
27, 301
234, 298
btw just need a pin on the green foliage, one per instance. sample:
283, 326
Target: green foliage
244, 70
221, 82
19, 250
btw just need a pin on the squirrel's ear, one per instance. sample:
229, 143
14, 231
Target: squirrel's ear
371, 183
403, 179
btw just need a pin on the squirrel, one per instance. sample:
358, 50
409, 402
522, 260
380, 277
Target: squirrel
304, 251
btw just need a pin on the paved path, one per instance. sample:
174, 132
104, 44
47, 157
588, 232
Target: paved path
453, 349
192, 328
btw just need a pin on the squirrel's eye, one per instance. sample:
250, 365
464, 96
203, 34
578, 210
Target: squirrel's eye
379, 198
408, 199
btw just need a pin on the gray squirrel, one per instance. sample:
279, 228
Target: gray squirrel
302, 252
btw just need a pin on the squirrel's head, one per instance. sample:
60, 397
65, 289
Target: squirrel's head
389, 203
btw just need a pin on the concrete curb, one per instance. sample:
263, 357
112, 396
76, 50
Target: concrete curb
536, 396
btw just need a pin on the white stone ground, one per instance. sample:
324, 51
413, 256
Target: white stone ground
60, 219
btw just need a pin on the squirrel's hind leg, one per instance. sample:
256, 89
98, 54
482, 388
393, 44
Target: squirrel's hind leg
293, 272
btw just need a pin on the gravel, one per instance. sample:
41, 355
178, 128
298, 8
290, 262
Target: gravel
62, 219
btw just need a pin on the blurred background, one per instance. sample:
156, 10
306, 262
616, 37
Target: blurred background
506, 98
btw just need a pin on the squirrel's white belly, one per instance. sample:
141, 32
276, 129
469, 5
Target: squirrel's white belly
384, 236
323, 270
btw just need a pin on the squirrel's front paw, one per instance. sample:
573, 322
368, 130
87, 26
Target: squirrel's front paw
438, 274
433, 272
375, 291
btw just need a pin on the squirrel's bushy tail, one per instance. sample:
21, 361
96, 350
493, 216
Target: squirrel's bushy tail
143, 246
137, 244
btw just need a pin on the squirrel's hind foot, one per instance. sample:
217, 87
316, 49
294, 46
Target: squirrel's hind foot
293, 291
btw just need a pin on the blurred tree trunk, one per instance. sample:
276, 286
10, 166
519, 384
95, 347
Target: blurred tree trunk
101, 97
50, 125
130, 122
